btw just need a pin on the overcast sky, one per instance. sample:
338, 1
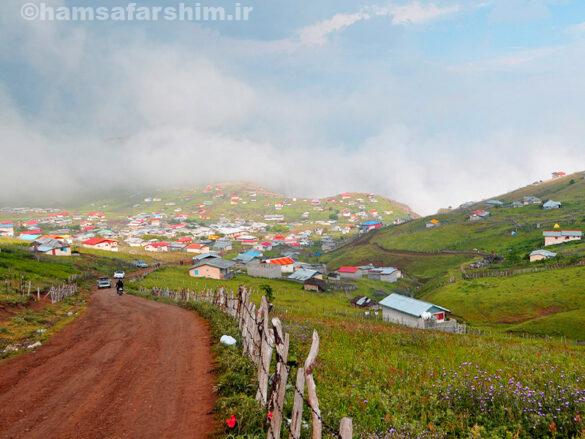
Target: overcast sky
429, 103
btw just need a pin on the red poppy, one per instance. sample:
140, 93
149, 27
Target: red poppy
231, 422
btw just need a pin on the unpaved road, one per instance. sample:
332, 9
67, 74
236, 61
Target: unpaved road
127, 368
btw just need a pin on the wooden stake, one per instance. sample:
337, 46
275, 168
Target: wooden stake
312, 388
297, 412
346, 429
276, 405
265, 353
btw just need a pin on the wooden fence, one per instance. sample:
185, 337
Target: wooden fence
262, 338
56, 292
469, 274
60, 292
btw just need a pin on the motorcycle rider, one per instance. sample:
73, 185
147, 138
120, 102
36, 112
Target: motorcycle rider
119, 285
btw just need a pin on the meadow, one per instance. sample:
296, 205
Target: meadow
546, 303
400, 382
23, 319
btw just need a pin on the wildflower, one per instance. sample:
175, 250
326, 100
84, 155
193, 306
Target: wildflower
231, 422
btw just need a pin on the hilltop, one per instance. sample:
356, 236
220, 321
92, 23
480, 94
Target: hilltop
435, 252
246, 201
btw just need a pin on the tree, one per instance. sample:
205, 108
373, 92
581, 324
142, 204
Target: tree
268, 292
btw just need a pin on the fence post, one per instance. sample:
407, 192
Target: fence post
266, 343
281, 343
312, 388
346, 428
297, 412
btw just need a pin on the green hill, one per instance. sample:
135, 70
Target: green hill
244, 201
548, 302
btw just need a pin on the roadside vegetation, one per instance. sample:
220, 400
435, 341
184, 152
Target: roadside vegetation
397, 381
27, 318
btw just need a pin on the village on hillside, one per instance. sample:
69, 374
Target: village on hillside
179, 229
269, 248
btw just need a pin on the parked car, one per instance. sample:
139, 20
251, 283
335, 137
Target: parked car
119, 274
140, 264
104, 282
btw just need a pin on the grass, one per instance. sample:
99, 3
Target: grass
32, 326
545, 303
385, 376
25, 322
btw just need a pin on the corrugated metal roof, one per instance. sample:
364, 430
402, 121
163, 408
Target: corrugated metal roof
384, 270
205, 256
545, 253
408, 305
302, 275
248, 256
215, 262
281, 261
563, 233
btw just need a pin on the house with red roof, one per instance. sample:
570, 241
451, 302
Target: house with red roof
101, 244
350, 272
478, 215
197, 248
159, 247
96, 216
287, 265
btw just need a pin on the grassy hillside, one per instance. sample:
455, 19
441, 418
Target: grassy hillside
24, 319
539, 303
551, 302
239, 200
399, 382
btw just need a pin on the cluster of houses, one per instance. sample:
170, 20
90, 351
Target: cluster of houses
385, 274
481, 214
314, 277
557, 236
213, 266
6, 229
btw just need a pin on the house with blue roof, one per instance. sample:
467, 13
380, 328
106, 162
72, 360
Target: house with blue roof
51, 246
370, 225
248, 256
551, 204
7, 230
411, 312
385, 274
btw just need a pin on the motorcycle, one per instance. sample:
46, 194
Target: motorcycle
120, 290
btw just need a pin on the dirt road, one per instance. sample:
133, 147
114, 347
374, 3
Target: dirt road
127, 368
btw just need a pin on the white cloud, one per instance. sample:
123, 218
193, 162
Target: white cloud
161, 114
577, 30
410, 13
